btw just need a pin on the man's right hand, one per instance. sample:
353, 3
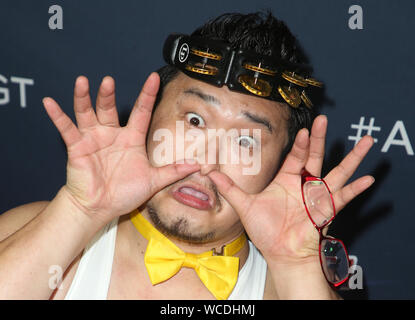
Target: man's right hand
108, 171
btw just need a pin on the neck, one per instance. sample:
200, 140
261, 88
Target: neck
134, 237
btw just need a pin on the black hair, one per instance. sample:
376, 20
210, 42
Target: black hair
266, 35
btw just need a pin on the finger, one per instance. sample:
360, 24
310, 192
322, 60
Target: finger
338, 177
317, 144
236, 197
84, 113
171, 173
297, 157
141, 114
105, 107
343, 196
67, 129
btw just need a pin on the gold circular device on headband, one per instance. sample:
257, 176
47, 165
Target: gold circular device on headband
314, 82
290, 95
294, 78
260, 69
203, 69
306, 100
205, 54
256, 86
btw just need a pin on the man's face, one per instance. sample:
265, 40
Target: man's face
192, 209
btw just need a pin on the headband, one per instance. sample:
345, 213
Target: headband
217, 63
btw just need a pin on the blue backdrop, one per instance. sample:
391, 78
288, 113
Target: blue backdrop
368, 74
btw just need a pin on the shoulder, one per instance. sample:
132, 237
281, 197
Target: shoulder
14, 219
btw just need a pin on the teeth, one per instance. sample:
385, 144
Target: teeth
194, 193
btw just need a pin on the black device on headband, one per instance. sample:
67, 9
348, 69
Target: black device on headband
245, 71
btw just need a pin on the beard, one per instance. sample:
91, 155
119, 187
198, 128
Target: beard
180, 227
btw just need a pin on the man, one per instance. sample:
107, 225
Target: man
197, 205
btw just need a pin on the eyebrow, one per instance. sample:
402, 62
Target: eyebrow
214, 101
205, 97
258, 119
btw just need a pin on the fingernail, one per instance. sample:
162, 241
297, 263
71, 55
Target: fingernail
106, 78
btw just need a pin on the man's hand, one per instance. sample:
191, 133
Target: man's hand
108, 171
275, 219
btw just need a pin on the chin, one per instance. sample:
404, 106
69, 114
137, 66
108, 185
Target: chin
185, 222
180, 221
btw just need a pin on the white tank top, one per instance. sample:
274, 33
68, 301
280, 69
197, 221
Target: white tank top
92, 278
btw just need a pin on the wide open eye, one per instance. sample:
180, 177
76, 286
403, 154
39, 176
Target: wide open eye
195, 120
246, 141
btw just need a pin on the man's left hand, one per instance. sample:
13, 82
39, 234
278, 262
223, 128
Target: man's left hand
275, 219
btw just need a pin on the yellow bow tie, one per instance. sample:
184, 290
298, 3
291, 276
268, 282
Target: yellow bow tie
163, 259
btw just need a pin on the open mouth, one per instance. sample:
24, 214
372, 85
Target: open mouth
194, 196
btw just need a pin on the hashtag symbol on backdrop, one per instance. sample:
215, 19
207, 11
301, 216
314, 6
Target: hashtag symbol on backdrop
361, 128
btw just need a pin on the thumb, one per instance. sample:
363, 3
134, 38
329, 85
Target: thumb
236, 197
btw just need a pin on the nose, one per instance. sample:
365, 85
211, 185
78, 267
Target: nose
209, 157
205, 169
208, 160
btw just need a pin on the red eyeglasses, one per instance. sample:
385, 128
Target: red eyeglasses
320, 208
